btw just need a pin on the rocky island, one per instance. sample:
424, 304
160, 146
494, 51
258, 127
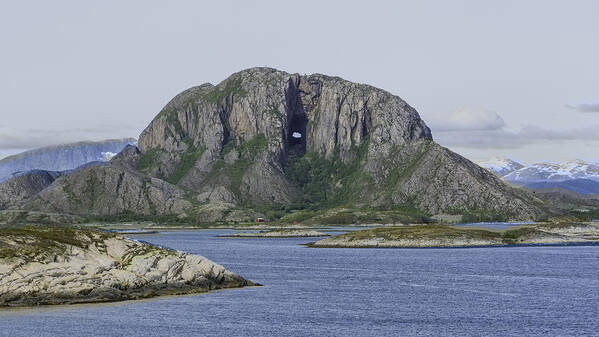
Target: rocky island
265, 143
282, 233
63, 265
453, 236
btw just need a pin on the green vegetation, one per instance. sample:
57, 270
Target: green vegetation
235, 171
443, 235
412, 165
36, 243
170, 220
187, 161
232, 87
273, 111
91, 190
479, 215
513, 235
327, 183
585, 214
149, 160
423, 232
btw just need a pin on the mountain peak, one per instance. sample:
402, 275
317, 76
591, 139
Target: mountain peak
62, 157
501, 166
548, 171
267, 139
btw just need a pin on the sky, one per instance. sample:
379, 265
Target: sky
516, 79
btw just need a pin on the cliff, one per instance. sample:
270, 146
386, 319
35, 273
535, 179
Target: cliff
266, 139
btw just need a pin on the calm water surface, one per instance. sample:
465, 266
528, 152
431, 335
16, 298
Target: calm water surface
521, 291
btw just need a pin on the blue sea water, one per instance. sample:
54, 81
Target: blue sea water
502, 291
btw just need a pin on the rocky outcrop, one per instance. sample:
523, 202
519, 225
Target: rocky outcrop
411, 237
25, 186
62, 157
438, 180
21, 217
110, 190
280, 233
331, 116
266, 138
447, 236
59, 266
340, 121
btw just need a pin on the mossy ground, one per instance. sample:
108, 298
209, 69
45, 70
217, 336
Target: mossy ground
447, 233
35, 242
427, 232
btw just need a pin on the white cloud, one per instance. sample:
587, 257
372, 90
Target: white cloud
12, 139
585, 107
482, 129
467, 119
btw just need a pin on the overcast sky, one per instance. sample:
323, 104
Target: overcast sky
491, 78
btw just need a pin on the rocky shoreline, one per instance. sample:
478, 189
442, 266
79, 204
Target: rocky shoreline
286, 233
40, 266
423, 236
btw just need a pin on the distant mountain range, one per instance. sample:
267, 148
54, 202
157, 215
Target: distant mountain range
62, 157
501, 166
578, 175
581, 186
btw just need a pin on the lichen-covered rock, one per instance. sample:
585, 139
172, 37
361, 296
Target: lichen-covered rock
58, 266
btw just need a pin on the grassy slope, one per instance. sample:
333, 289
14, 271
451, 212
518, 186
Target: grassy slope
441, 232
38, 242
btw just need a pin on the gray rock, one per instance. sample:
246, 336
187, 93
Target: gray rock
231, 144
75, 266
25, 186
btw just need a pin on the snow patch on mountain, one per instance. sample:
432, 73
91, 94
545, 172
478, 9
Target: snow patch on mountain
106, 156
62, 157
501, 166
575, 169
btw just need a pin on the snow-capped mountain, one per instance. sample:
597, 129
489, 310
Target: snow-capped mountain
576, 169
577, 175
501, 166
62, 157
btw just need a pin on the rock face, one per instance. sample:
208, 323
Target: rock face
242, 134
25, 186
264, 137
109, 190
62, 157
58, 266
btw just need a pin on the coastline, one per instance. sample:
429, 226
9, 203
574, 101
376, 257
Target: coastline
49, 266
440, 236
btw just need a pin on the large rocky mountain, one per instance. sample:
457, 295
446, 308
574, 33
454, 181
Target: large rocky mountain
61, 157
580, 186
265, 138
